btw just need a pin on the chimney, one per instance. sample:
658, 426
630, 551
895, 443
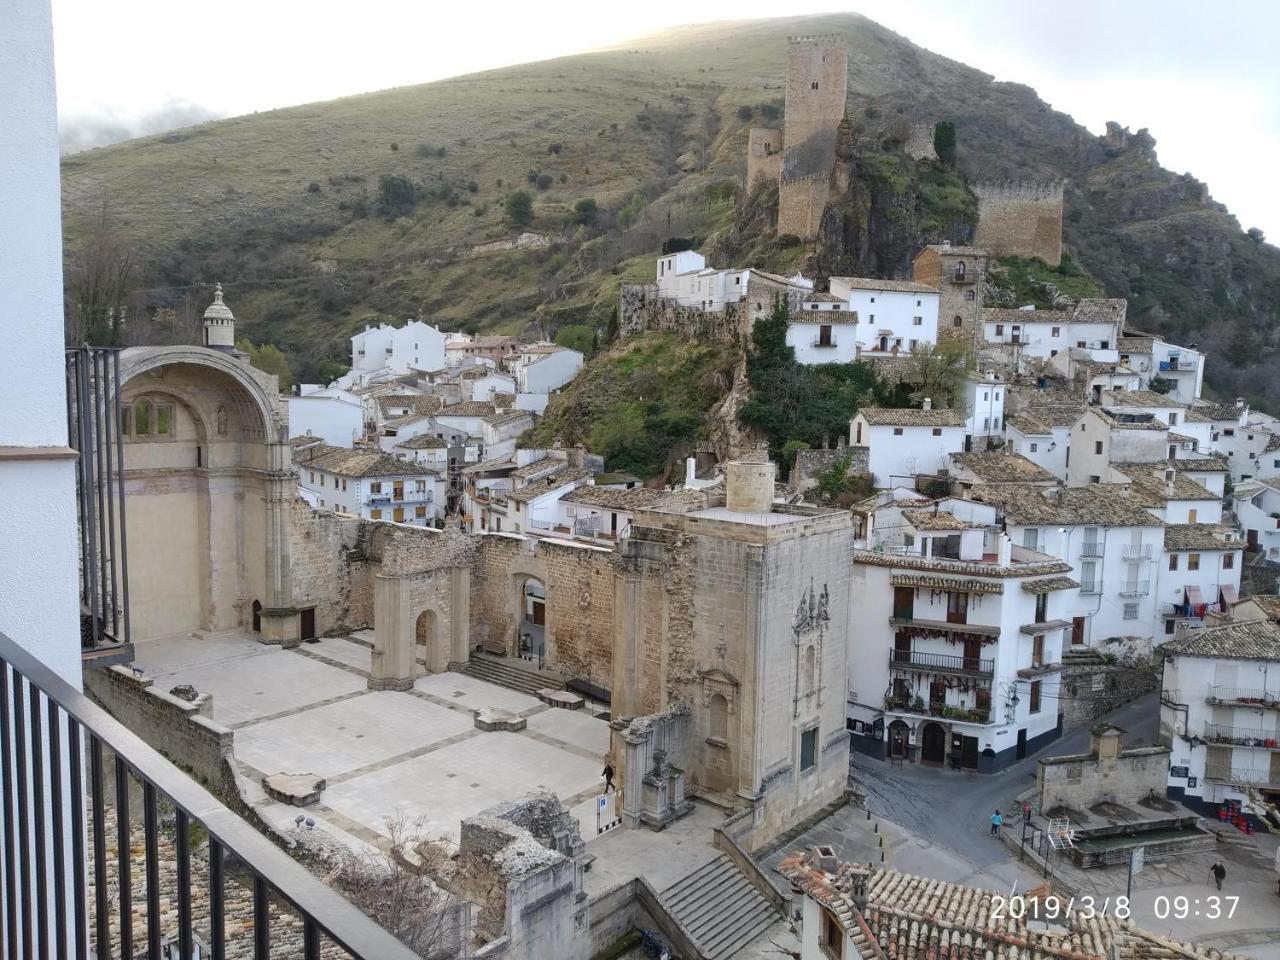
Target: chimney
946, 244
1168, 489
1005, 547
690, 471
928, 404
1239, 403
749, 483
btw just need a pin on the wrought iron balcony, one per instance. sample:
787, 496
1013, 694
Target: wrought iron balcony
941, 663
67, 819
1136, 551
939, 710
1091, 548
1243, 697
1175, 366
1230, 773
1135, 588
1242, 736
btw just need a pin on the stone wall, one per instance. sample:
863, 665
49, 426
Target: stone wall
182, 730
1091, 688
1022, 219
919, 145
764, 155
331, 570
1079, 782
800, 205
579, 607
809, 463
641, 309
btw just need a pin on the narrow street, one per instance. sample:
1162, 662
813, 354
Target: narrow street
953, 808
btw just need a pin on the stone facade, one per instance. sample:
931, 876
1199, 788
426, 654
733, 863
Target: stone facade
919, 144
810, 463
1106, 774
959, 275
801, 201
764, 155
1021, 219
331, 568
641, 308
1092, 687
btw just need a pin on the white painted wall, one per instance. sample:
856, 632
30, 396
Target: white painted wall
1213, 574
803, 335
1048, 451
892, 458
550, 372
483, 388
38, 539
984, 407
337, 418
906, 316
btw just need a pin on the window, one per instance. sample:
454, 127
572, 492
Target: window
1191, 516
1173, 561
810, 670
832, 936
1082, 344
375, 487
344, 484
997, 396
999, 329
1037, 650
897, 431
1042, 610
1031, 540
986, 394
937, 431
809, 749
1034, 706
420, 512
1193, 561
912, 344
957, 322
1034, 447
1097, 446
957, 606
1094, 478
1228, 561
970, 295
824, 335
917, 321
375, 514
1131, 611
313, 476
903, 602
813, 85
1173, 419
1055, 332
1088, 579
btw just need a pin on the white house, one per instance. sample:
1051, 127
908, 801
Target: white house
823, 331
1150, 357
1169, 494
984, 399
958, 654
1112, 543
1092, 325
1042, 434
542, 368
1220, 712
1168, 411
1257, 508
414, 346
893, 316
902, 443
334, 415
979, 469
370, 484
1103, 437
1199, 572
484, 388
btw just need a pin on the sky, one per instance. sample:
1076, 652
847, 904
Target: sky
1202, 77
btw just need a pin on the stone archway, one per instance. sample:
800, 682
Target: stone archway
532, 623
426, 642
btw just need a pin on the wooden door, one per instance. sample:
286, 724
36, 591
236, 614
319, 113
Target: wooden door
904, 599
957, 607
969, 753
972, 653
1022, 744
1077, 631
937, 693
539, 613
397, 490
901, 649
398, 514
933, 743
307, 616
1037, 650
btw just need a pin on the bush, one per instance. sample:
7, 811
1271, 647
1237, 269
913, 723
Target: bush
554, 149
564, 178
394, 146
532, 176
576, 336
944, 142
473, 187
543, 181
745, 113
397, 195
313, 187
585, 211
518, 208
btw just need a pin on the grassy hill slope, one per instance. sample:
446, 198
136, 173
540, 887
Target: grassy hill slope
283, 206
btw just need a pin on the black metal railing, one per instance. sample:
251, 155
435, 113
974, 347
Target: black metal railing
94, 430
941, 661
59, 898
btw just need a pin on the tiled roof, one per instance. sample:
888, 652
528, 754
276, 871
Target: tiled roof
541, 347
1125, 421
1217, 411
1102, 505
933, 520
1153, 490
557, 480
972, 567
1135, 344
487, 466
1028, 425
888, 286
911, 417
1200, 464
1049, 584
821, 296
362, 463
943, 583
469, 408
1244, 640
1268, 603
406, 400
1200, 536
991, 466
1057, 414
304, 440
824, 316
637, 498
538, 468
511, 416
1099, 310
423, 441
1014, 315
1137, 398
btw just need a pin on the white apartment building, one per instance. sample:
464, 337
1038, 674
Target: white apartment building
984, 400
902, 443
1042, 434
893, 316
1112, 543
823, 330
1150, 357
1257, 508
1169, 494
370, 484
414, 346
334, 415
1092, 325
1199, 573
1102, 437
958, 659
1220, 712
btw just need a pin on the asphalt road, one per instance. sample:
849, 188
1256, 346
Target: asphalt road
953, 808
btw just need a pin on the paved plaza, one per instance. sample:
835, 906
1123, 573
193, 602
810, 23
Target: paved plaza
415, 756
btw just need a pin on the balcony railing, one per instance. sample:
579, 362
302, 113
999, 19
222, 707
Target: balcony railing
1174, 366
820, 343
1136, 551
1135, 588
939, 710
1188, 611
1090, 586
1242, 736
59, 897
1091, 548
1229, 773
943, 662
1245, 696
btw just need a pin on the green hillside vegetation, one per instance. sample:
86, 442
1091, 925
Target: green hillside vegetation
321, 218
1019, 281
640, 400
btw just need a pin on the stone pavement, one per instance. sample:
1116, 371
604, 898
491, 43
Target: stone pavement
415, 756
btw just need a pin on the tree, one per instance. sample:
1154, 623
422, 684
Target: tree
543, 181
944, 142
585, 211
269, 359
518, 208
1159, 384
936, 371
1256, 235
99, 281
789, 451
576, 336
397, 195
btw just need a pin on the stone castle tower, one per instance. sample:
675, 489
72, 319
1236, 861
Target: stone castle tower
803, 157
1021, 219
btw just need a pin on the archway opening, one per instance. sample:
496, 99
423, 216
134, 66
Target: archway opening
257, 616
424, 642
933, 743
531, 626
899, 738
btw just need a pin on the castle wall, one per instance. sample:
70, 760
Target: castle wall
330, 569
764, 155
1021, 219
641, 308
817, 83
800, 205
959, 302
919, 145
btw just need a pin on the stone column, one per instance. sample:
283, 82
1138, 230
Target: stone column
459, 628
279, 616
393, 635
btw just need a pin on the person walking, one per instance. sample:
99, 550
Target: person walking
1218, 872
608, 777
996, 822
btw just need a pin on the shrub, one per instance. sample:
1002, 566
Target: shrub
585, 211
425, 150
473, 187
564, 178
440, 151
313, 187
944, 142
532, 176
397, 195
394, 146
543, 180
518, 208
745, 112
554, 149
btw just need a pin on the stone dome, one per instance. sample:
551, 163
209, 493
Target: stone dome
218, 310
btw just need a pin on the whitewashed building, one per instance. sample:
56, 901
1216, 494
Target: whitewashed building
334, 415
984, 400
1042, 434
370, 484
1092, 325
1257, 508
902, 443
398, 350
894, 316
1103, 437
958, 656
1150, 357
1220, 712
542, 368
823, 330
1199, 573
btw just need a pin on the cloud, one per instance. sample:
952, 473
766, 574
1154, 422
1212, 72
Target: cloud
106, 125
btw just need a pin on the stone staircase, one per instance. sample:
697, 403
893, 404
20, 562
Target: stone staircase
503, 672
719, 908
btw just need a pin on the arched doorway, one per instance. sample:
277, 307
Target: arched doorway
531, 620
424, 642
257, 616
899, 738
884, 344
933, 743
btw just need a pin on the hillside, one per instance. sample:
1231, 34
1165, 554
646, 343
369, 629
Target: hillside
291, 211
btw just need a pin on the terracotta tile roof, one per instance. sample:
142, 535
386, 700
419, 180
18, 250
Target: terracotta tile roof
824, 316
557, 480
637, 498
1102, 504
539, 468
469, 408
911, 417
362, 463
1153, 490
1099, 310
1128, 343
888, 286
1028, 425
1137, 398
1200, 464
943, 583
304, 440
991, 466
423, 441
1216, 411
1014, 315
957, 250
1049, 584
386, 402
976, 568
820, 296
511, 416
487, 466
1057, 414
1128, 421
1243, 640
931, 520
1200, 536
